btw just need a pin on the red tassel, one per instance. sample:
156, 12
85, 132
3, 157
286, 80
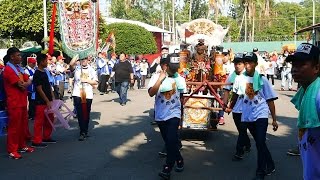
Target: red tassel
53, 20
85, 111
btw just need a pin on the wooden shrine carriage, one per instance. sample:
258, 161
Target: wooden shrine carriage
205, 79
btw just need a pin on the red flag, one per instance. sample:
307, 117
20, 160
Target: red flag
188, 33
53, 19
111, 40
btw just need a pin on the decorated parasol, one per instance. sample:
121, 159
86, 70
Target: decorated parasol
78, 27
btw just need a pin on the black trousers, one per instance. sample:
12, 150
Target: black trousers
32, 106
83, 123
102, 87
272, 78
169, 133
243, 138
59, 90
258, 130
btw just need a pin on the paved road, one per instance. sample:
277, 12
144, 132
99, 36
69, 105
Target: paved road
123, 145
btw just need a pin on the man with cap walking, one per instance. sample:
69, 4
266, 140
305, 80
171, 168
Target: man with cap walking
243, 143
306, 71
258, 101
166, 86
155, 66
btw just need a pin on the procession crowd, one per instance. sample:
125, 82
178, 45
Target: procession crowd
250, 98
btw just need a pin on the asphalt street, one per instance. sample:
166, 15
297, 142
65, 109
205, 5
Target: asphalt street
123, 145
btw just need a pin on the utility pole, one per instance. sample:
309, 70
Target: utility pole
252, 29
162, 13
245, 22
190, 10
295, 29
173, 22
45, 23
313, 20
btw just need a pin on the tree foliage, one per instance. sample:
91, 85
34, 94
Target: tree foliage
132, 39
272, 20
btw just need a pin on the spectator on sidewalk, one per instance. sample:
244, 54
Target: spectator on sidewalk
30, 70
103, 73
306, 71
286, 75
16, 83
113, 61
270, 67
43, 100
144, 72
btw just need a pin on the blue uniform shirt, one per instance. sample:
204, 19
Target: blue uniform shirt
167, 104
254, 105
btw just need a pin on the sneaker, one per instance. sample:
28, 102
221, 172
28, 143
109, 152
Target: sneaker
39, 145
15, 155
86, 134
294, 152
153, 123
270, 171
163, 152
237, 157
221, 121
26, 149
282, 89
49, 141
82, 137
180, 166
165, 173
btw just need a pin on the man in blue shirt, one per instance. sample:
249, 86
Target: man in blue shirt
306, 71
258, 101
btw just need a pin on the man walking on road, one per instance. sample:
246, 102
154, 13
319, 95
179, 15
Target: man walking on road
123, 73
166, 87
306, 71
243, 143
258, 102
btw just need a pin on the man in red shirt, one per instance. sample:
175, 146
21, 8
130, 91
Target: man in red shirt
16, 83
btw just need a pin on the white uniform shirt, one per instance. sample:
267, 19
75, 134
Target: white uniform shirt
88, 73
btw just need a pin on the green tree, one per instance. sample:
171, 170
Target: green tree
132, 39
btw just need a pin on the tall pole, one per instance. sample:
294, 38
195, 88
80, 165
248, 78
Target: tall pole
252, 28
245, 22
190, 9
313, 20
162, 13
173, 22
295, 29
45, 23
